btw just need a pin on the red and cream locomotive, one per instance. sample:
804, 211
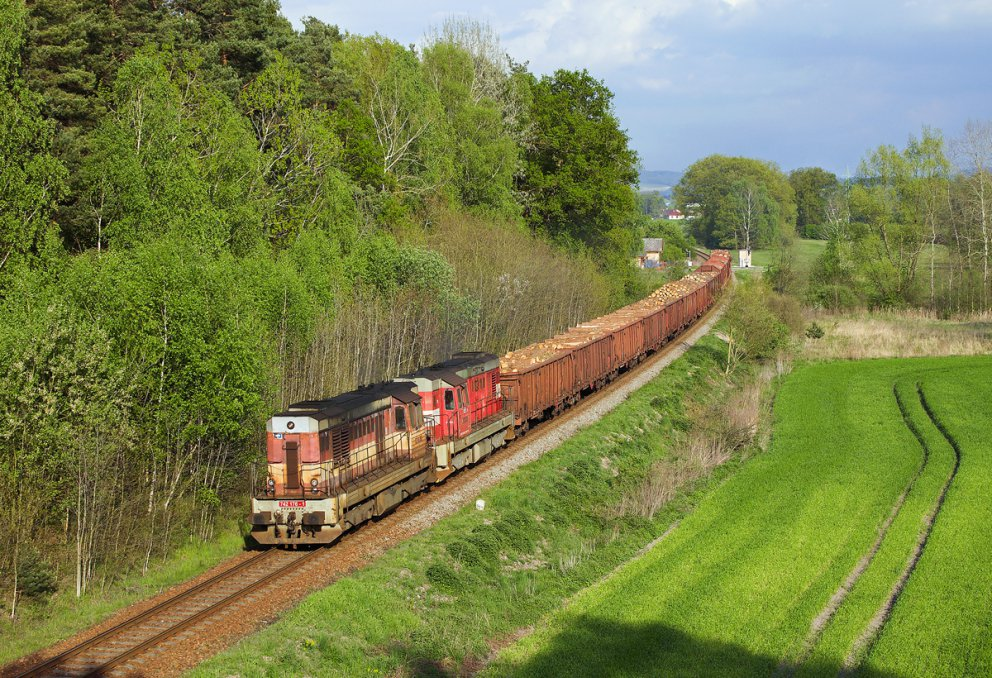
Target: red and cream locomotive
335, 463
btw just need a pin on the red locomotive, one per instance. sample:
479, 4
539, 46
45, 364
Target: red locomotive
335, 463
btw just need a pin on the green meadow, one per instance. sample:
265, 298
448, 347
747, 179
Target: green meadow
818, 556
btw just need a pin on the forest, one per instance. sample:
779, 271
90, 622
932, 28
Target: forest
207, 214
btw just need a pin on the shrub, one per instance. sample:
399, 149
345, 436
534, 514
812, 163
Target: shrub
814, 331
34, 577
787, 309
756, 330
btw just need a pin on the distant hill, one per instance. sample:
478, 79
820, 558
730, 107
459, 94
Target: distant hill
659, 180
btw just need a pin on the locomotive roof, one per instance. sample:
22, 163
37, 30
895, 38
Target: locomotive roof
357, 403
458, 368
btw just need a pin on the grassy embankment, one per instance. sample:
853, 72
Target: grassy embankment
735, 589
434, 603
41, 625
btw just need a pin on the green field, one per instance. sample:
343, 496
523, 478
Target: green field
804, 253
820, 528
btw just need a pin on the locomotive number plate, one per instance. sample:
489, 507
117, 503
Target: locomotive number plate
292, 504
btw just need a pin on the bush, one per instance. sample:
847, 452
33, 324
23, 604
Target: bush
756, 330
814, 331
787, 309
35, 578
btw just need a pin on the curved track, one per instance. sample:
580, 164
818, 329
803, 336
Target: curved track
118, 644
185, 628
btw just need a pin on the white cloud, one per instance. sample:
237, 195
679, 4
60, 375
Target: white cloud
654, 84
601, 36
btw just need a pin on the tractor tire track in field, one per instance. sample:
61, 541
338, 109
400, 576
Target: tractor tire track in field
862, 646
788, 666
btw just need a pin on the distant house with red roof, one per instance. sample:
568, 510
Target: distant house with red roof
674, 214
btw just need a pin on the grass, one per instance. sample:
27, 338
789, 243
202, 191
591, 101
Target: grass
851, 632
735, 589
40, 625
942, 624
804, 251
434, 604
901, 334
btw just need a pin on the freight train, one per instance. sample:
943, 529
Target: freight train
336, 463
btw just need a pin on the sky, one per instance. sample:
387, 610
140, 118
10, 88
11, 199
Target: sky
801, 83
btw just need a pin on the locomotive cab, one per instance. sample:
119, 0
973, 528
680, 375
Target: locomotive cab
463, 409
327, 462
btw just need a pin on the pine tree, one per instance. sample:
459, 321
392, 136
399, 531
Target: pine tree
237, 38
31, 179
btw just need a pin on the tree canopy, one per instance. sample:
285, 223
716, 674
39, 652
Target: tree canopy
580, 167
814, 187
731, 201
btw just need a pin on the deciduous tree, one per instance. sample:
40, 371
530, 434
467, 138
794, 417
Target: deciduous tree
708, 184
581, 170
813, 187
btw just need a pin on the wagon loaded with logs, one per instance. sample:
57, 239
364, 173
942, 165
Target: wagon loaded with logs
542, 379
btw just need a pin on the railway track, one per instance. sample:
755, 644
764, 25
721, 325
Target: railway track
122, 643
135, 646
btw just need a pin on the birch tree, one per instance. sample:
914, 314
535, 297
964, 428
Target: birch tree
973, 156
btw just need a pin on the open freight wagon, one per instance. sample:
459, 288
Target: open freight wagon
542, 379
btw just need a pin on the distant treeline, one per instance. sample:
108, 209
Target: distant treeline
914, 228
206, 214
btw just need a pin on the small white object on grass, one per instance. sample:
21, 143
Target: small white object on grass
480, 504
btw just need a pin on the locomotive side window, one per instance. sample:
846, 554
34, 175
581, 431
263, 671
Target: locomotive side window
417, 416
449, 400
400, 418
462, 398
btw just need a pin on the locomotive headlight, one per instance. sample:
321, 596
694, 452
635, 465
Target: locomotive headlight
313, 485
270, 485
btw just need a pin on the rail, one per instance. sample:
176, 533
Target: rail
113, 647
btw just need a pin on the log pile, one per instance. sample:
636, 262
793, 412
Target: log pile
545, 351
